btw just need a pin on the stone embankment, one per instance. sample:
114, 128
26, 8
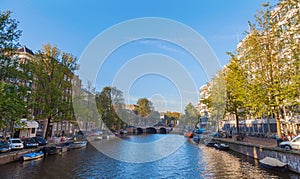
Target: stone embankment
15, 155
259, 148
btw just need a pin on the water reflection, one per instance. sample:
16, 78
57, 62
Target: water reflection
188, 161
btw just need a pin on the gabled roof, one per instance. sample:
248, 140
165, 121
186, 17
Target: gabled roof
24, 49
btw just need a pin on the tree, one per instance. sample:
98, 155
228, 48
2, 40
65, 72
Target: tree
53, 71
235, 86
12, 106
13, 75
266, 56
191, 116
143, 108
216, 101
84, 105
108, 102
262, 79
9, 43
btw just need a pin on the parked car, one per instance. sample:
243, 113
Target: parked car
293, 144
15, 143
4, 146
29, 143
40, 140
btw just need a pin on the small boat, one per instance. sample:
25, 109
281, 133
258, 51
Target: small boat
221, 146
197, 137
98, 138
210, 143
32, 156
78, 144
273, 163
188, 134
57, 149
123, 131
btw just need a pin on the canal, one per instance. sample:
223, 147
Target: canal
187, 161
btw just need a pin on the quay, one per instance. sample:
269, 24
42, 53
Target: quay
14, 156
259, 148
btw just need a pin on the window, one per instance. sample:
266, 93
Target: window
32, 130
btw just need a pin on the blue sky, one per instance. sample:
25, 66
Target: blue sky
72, 25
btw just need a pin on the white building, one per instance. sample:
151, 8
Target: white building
28, 129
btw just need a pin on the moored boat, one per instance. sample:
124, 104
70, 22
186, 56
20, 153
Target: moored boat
123, 131
210, 142
78, 144
188, 134
56, 149
273, 163
32, 156
221, 146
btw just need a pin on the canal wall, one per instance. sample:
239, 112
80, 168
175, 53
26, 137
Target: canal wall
256, 151
15, 155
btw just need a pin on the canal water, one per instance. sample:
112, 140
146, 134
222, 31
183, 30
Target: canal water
188, 161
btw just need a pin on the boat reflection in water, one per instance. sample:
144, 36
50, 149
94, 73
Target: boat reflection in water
188, 161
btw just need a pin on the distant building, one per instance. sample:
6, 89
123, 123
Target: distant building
204, 94
130, 107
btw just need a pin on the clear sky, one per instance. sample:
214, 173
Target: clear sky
72, 25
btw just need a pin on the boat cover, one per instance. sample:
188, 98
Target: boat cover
272, 162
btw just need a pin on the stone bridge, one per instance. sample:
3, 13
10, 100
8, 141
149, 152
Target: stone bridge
149, 130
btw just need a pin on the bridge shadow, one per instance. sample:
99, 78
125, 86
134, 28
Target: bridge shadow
139, 130
163, 130
150, 130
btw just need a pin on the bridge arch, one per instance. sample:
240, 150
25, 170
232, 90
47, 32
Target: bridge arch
139, 130
150, 130
162, 130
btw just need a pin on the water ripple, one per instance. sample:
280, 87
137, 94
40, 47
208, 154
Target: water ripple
188, 161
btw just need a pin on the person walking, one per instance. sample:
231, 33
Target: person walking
277, 140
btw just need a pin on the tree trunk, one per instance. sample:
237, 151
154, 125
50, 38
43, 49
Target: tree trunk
278, 124
48, 127
269, 127
237, 122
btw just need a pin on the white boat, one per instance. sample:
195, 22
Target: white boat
273, 163
123, 131
78, 144
32, 156
221, 146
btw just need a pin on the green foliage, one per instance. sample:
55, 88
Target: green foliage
172, 116
263, 78
14, 93
190, 118
216, 102
235, 86
269, 64
108, 102
52, 92
143, 107
144, 110
9, 32
85, 109
12, 105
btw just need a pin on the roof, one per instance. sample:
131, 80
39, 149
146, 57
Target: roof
28, 124
24, 49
